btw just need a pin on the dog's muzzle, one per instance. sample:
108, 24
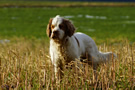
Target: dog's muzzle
55, 35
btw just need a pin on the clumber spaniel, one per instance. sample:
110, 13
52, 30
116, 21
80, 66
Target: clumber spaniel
67, 46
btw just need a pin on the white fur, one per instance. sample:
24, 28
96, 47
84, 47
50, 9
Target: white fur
56, 22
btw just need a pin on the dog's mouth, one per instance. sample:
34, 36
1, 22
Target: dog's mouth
54, 37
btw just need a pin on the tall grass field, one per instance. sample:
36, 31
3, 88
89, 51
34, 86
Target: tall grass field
24, 48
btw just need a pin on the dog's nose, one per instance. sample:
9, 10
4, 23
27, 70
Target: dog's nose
55, 32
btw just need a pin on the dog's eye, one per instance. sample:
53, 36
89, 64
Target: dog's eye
60, 26
52, 26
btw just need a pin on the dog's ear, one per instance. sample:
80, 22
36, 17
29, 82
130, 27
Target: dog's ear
48, 30
70, 27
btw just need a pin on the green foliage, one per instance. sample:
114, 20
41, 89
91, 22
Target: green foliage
103, 23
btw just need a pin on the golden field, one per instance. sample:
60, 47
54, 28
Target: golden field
25, 64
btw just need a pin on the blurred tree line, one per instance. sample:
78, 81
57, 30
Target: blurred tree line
78, 0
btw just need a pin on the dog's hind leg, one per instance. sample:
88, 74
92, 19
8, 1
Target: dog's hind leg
92, 61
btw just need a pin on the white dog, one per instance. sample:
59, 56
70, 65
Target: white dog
66, 45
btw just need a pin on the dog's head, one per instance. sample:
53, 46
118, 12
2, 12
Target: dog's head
59, 28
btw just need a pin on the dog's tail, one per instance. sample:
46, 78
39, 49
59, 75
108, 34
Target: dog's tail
105, 57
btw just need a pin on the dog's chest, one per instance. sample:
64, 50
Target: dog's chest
60, 52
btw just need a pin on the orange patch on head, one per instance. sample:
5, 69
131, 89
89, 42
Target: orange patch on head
52, 26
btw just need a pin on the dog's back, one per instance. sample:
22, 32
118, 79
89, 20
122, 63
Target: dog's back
88, 45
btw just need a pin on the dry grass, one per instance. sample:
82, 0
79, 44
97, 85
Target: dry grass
65, 4
25, 64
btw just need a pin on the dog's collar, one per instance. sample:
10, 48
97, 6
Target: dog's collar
77, 41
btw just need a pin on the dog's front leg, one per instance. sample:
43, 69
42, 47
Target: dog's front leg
58, 73
58, 68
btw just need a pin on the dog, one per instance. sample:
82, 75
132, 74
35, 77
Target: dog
67, 46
